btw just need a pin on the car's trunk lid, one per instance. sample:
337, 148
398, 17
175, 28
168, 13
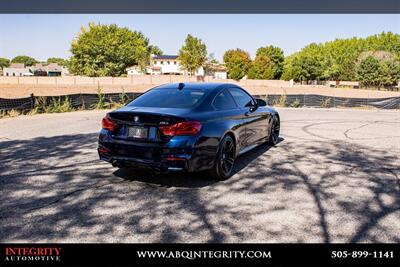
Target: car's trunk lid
142, 124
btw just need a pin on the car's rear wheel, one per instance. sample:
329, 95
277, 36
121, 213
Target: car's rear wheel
118, 164
224, 164
274, 133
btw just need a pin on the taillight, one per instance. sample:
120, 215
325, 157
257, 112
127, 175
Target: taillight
108, 124
181, 128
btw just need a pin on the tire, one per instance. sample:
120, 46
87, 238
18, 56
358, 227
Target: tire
274, 132
225, 160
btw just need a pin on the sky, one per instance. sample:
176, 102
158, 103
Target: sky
43, 36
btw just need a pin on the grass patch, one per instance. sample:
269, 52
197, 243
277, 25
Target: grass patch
295, 104
9, 113
325, 103
281, 102
58, 106
101, 102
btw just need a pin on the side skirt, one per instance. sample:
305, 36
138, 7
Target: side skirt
250, 147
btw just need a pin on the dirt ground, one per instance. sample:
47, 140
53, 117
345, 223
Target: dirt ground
19, 91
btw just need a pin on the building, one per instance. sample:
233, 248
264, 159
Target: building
17, 69
64, 71
39, 70
53, 69
134, 70
217, 71
165, 64
162, 65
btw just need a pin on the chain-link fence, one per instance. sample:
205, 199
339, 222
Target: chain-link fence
88, 101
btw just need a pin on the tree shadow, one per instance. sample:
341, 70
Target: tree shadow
175, 179
54, 189
186, 179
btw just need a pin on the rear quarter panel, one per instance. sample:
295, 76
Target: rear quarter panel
215, 125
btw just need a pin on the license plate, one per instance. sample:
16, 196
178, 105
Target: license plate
138, 132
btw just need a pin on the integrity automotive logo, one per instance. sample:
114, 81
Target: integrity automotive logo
32, 254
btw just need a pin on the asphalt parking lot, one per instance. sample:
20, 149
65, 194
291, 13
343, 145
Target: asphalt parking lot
334, 177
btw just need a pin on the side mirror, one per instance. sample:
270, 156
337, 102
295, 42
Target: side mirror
252, 105
261, 102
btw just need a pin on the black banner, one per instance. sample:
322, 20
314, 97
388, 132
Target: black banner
87, 101
203, 7
199, 254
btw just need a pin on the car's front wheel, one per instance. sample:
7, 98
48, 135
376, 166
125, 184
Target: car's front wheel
223, 166
274, 133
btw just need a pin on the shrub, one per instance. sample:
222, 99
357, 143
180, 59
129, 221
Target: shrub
3, 114
295, 104
325, 103
14, 113
58, 106
123, 98
40, 105
9, 113
265, 97
115, 105
281, 101
101, 100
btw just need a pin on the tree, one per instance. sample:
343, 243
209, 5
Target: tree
276, 56
385, 41
389, 73
144, 60
4, 63
368, 71
290, 70
338, 59
237, 62
59, 61
305, 65
107, 50
262, 68
26, 60
211, 59
373, 71
193, 54
155, 50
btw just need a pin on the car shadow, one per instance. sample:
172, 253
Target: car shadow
186, 179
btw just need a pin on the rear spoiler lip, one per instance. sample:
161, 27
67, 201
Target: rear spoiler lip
162, 116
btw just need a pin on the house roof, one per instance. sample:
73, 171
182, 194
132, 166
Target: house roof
39, 67
17, 65
53, 67
216, 67
165, 57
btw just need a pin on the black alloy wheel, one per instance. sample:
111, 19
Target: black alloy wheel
274, 134
225, 162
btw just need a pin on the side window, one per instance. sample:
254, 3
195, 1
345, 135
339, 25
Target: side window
240, 96
224, 101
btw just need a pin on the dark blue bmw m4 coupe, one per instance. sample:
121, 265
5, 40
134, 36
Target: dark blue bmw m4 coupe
187, 127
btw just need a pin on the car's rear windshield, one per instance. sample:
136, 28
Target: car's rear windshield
170, 98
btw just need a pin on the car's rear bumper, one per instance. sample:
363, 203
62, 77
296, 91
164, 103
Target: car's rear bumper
160, 166
177, 155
